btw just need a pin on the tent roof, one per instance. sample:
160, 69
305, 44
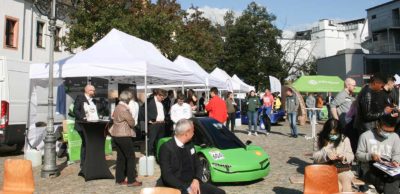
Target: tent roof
199, 74
232, 84
116, 54
319, 83
236, 78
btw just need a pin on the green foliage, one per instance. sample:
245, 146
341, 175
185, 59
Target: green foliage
251, 49
93, 19
199, 40
246, 46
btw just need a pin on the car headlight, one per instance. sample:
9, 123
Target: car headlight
226, 166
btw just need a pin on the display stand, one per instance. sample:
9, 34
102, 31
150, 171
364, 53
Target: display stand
95, 166
313, 124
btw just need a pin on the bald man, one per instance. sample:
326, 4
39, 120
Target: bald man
343, 100
82, 101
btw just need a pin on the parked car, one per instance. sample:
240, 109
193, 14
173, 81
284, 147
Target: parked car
224, 158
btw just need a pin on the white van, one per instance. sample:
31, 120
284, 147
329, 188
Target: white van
14, 95
14, 89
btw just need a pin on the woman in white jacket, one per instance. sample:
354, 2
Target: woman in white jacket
335, 149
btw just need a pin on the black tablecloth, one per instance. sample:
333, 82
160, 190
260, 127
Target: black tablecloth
95, 166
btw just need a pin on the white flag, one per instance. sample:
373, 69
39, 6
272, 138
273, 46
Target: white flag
275, 85
397, 77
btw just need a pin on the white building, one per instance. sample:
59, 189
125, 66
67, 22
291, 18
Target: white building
25, 36
330, 36
327, 38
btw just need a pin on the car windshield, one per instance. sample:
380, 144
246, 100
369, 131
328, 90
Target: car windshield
222, 137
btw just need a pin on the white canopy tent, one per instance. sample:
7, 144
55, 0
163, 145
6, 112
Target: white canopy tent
232, 85
200, 75
236, 78
118, 55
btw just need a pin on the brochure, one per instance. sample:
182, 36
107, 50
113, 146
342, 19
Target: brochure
387, 168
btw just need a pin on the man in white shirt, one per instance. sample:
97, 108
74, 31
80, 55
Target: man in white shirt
180, 110
156, 119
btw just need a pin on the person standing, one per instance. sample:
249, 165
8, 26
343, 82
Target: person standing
180, 166
368, 108
83, 107
156, 119
180, 110
122, 133
291, 106
201, 102
231, 107
310, 103
319, 105
335, 149
268, 102
328, 100
216, 107
342, 102
253, 103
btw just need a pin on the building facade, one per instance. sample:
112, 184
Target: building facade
383, 39
25, 36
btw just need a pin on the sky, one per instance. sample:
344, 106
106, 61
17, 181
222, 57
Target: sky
291, 15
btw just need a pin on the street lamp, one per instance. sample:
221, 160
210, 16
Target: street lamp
53, 9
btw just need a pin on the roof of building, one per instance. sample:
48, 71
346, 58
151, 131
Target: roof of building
381, 5
356, 21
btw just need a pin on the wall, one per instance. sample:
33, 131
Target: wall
28, 16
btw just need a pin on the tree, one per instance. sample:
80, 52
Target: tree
251, 48
298, 58
93, 19
157, 23
199, 40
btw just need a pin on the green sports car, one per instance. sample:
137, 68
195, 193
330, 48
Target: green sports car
224, 158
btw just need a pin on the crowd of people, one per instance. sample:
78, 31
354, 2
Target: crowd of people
361, 129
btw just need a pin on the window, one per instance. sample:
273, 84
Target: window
375, 37
39, 34
11, 33
373, 17
57, 39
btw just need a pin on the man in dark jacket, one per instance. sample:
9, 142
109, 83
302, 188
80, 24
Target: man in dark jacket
155, 119
369, 107
80, 115
180, 166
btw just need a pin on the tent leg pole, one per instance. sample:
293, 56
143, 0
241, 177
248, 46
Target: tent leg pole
145, 122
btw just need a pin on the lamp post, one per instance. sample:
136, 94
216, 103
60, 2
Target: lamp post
53, 10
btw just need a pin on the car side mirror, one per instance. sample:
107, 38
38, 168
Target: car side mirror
203, 145
248, 142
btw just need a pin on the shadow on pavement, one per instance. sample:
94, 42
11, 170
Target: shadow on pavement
301, 164
238, 183
6, 151
282, 190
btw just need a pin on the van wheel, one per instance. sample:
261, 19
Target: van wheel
19, 147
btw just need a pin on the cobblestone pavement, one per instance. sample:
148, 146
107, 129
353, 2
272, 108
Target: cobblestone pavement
288, 155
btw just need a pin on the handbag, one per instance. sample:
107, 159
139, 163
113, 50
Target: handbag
340, 166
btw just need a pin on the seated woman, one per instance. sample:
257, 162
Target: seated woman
335, 149
380, 145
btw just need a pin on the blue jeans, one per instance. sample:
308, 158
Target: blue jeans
292, 121
310, 114
252, 117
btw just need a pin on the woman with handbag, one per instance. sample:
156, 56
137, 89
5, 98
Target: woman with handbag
122, 133
335, 149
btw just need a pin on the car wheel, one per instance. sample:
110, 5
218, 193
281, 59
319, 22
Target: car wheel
205, 170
